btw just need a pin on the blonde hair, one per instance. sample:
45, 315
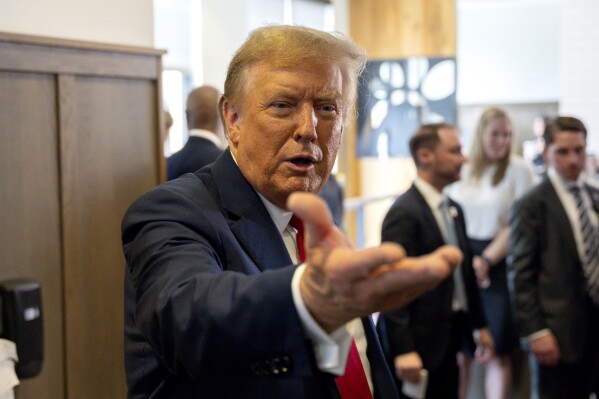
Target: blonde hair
477, 158
285, 45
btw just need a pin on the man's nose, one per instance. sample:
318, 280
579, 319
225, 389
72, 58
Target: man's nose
306, 124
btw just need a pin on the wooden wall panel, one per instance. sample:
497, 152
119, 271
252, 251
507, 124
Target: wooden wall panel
30, 228
79, 124
404, 28
109, 157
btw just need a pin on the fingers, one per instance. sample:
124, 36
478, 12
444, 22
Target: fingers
393, 285
408, 367
350, 265
315, 214
483, 353
546, 350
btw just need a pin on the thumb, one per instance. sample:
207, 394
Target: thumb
314, 213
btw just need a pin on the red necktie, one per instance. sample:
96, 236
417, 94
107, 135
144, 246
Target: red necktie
298, 225
353, 384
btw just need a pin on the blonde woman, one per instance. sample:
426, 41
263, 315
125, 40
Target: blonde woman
492, 179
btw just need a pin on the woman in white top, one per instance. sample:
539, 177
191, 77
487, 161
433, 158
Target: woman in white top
492, 180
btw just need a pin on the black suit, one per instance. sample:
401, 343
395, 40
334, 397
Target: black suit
332, 193
209, 309
547, 285
195, 154
426, 325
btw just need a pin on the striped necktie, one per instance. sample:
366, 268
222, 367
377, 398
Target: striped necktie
590, 239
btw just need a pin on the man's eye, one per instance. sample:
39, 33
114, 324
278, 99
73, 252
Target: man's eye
328, 108
280, 105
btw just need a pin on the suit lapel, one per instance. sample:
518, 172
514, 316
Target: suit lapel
247, 216
429, 218
382, 380
594, 195
558, 212
459, 223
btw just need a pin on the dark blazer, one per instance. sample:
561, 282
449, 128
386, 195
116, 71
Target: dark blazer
332, 193
209, 310
546, 278
424, 324
195, 154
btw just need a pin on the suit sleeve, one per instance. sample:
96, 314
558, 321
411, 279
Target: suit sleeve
399, 226
524, 262
195, 303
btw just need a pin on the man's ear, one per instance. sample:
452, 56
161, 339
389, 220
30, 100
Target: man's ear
425, 156
232, 121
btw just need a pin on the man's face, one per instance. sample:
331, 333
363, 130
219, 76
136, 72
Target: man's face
286, 129
448, 158
567, 154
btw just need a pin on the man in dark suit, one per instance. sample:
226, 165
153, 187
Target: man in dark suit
332, 194
428, 333
215, 307
554, 270
204, 144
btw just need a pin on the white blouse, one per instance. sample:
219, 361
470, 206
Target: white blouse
486, 207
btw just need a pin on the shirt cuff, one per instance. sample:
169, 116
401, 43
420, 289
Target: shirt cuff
538, 334
331, 350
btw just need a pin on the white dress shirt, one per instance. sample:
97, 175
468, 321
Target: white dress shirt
331, 350
208, 135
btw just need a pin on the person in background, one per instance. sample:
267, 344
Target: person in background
215, 305
492, 179
422, 220
332, 194
554, 268
533, 149
168, 123
203, 145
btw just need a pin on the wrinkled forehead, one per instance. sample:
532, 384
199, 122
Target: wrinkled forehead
328, 72
282, 65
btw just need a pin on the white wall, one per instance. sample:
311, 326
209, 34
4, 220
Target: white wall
508, 51
579, 66
201, 36
226, 26
111, 21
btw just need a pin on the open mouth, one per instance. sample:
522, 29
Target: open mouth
302, 161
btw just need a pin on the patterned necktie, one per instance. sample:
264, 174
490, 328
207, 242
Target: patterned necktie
459, 291
353, 384
590, 241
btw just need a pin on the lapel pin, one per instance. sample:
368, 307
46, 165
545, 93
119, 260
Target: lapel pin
453, 212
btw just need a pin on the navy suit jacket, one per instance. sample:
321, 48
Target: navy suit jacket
209, 311
546, 277
423, 325
195, 154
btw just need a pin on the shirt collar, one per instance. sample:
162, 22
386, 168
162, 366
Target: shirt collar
206, 134
431, 195
280, 217
559, 180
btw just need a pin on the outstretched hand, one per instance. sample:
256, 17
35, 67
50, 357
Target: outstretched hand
341, 283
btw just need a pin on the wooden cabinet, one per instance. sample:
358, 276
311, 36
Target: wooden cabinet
79, 141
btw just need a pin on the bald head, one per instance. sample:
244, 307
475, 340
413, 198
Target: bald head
202, 109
